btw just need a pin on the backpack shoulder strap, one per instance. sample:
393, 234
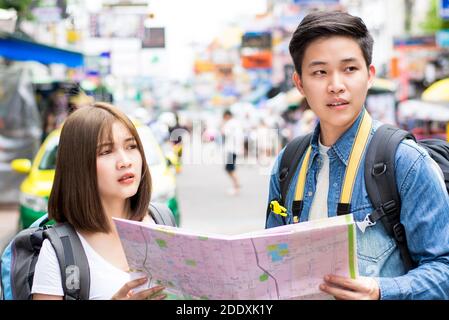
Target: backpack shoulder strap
287, 167
72, 260
290, 161
162, 214
380, 181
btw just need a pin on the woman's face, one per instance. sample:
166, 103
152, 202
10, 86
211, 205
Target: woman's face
119, 165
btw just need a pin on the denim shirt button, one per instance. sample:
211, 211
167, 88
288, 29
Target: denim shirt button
335, 184
310, 194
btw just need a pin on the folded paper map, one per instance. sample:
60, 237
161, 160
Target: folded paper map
287, 262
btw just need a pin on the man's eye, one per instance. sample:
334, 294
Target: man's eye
351, 69
319, 72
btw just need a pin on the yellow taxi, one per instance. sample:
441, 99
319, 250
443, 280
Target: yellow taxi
35, 189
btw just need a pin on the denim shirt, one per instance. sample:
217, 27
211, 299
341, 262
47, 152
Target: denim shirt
424, 213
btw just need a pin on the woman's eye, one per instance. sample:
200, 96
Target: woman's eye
132, 146
104, 152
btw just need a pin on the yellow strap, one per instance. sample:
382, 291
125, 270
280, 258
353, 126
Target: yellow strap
354, 161
302, 176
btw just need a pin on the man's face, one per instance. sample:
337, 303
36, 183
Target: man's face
335, 81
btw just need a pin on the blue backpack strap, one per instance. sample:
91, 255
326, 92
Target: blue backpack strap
380, 181
291, 157
73, 263
5, 273
40, 222
162, 214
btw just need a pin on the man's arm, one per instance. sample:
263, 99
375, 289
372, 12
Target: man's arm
425, 216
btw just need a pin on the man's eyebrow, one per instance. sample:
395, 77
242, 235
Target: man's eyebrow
351, 59
316, 63
322, 63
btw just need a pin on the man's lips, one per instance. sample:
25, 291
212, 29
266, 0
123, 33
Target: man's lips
337, 103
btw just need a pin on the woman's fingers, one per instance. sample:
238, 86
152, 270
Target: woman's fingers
123, 293
147, 293
159, 297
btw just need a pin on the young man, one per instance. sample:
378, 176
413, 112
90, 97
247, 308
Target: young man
332, 56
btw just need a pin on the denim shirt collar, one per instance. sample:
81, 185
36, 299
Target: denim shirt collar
342, 148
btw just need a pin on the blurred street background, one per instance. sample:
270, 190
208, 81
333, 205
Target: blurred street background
174, 67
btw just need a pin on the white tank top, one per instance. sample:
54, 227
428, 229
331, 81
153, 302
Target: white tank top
105, 278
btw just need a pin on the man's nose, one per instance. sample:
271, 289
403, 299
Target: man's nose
336, 84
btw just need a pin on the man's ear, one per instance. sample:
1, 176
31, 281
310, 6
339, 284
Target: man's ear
298, 82
371, 75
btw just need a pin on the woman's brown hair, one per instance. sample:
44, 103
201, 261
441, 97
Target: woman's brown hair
74, 196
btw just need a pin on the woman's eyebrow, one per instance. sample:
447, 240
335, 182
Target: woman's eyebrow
105, 144
130, 139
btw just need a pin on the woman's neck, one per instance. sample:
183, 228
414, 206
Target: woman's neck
115, 209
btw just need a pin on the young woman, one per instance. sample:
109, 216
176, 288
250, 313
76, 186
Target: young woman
101, 173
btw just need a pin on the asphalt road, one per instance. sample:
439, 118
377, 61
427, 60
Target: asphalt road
206, 205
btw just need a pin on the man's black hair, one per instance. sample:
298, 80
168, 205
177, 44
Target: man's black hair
325, 24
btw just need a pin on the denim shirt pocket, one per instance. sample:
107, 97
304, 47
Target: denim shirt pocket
374, 245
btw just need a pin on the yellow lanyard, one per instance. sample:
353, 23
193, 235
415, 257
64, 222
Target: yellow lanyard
354, 161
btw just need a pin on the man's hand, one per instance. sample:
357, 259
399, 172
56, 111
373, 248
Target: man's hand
362, 288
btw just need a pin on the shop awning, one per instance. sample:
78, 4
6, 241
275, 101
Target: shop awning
14, 48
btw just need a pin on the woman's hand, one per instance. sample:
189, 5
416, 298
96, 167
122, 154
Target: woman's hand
126, 292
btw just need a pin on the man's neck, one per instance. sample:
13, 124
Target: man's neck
329, 136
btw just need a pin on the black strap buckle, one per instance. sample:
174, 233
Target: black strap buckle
343, 208
297, 208
385, 210
389, 207
283, 174
399, 232
379, 169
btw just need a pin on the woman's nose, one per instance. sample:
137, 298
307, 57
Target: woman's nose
124, 160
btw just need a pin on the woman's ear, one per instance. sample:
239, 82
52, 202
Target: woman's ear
298, 82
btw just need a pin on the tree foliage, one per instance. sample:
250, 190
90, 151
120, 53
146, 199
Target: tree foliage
22, 7
434, 22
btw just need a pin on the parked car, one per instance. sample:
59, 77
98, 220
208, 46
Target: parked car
35, 189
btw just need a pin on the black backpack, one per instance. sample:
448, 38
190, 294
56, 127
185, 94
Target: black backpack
380, 179
19, 259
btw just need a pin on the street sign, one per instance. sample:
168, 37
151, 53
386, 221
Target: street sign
444, 9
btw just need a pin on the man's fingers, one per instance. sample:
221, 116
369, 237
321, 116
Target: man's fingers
344, 282
338, 293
